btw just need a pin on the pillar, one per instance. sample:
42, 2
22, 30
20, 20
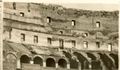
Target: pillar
56, 65
18, 64
90, 63
84, 64
44, 64
79, 66
31, 62
103, 67
68, 66
90, 66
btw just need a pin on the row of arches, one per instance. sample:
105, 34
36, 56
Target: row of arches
79, 59
50, 62
95, 62
86, 63
86, 60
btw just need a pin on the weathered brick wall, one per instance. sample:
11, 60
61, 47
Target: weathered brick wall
42, 40
34, 23
41, 11
10, 62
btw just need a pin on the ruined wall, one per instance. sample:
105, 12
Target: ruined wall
43, 40
31, 19
85, 22
85, 19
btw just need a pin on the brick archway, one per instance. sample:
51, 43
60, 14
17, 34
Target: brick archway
82, 59
115, 57
106, 60
38, 60
62, 63
11, 62
24, 59
50, 62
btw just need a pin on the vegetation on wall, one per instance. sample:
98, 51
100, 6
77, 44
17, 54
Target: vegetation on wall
78, 12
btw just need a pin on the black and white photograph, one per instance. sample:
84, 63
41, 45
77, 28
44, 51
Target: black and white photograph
61, 36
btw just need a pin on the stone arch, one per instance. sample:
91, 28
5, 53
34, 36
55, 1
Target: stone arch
39, 56
96, 55
51, 57
82, 59
67, 54
20, 55
11, 61
62, 63
107, 54
12, 54
64, 59
24, 59
38, 60
91, 56
50, 62
74, 64
94, 62
72, 60
106, 60
115, 57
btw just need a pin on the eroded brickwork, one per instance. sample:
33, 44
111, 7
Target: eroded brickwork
39, 36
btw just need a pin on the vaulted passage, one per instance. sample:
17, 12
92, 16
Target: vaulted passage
24, 59
91, 56
62, 63
67, 54
106, 60
84, 62
94, 63
73, 62
38, 60
115, 57
50, 62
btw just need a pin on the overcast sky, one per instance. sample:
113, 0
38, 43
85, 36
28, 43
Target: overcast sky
107, 7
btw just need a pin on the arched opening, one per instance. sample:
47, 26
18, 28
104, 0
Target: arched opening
95, 64
67, 54
50, 62
62, 63
24, 59
73, 62
115, 57
38, 60
83, 60
107, 61
11, 61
